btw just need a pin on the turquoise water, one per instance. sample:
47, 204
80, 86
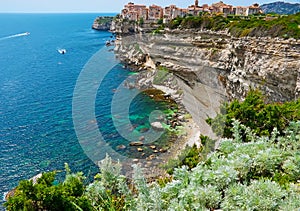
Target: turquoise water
36, 89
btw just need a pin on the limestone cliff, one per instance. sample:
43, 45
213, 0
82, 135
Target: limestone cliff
102, 23
211, 67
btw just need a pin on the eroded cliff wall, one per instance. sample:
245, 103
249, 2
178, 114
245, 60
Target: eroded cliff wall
210, 67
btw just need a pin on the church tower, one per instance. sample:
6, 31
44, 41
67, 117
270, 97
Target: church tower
196, 3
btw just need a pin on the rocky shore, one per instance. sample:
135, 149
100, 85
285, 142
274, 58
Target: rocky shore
179, 128
208, 67
202, 69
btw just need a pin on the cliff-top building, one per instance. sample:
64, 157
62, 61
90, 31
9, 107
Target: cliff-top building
155, 12
137, 12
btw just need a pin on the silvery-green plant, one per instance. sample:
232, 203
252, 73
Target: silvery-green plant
259, 195
262, 174
109, 188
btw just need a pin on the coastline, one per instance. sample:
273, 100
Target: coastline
188, 133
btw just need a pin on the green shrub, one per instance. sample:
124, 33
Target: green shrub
190, 157
282, 26
260, 195
254, 113
44, 195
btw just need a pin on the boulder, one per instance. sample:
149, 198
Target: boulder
181, 118
136, 143
151, 157
157, 126
152, 147
121, 147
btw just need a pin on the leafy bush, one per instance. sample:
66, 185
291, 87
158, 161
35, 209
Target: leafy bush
260, 195
109, 191
190, 157
254, 113
160, 21
45, 195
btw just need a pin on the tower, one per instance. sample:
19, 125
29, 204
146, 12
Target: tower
196, 3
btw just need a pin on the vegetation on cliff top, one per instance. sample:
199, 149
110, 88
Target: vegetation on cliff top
249, 171
254, 26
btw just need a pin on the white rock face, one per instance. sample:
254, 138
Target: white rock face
209, 68
237, 63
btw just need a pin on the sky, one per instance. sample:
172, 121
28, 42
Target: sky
32, 6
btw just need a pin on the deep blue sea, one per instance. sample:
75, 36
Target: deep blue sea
36, 89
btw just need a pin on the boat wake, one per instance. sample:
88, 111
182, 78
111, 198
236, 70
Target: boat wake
62, 51
15, 35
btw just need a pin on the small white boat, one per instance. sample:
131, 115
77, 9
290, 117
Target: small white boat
27, 33
62, 51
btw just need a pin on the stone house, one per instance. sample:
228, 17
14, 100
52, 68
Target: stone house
155, 12
254, 9
135, 12
243, 11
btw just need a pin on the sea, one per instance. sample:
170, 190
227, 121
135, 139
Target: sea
37, 86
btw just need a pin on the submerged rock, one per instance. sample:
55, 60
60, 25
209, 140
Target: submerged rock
143, 130
121, 147
157, 126
136, 143
153, 147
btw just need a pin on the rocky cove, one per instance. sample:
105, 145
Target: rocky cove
202, 69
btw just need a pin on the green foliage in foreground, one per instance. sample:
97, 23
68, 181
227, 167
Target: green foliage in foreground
254, 113
191, 156
45, 195
255, 26
262, 174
